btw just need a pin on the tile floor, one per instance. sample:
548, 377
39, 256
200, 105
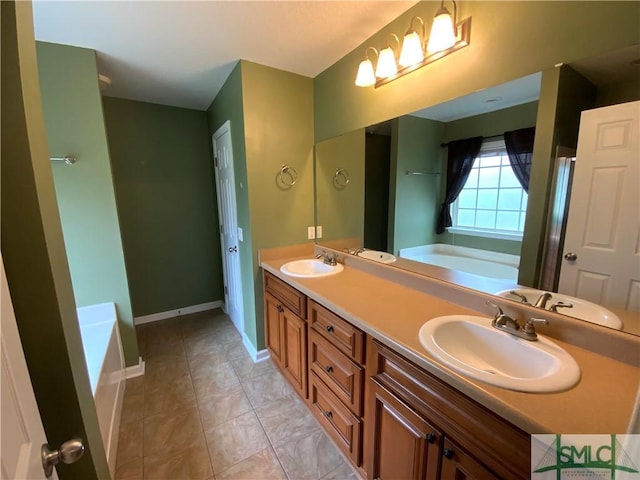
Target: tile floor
203, 410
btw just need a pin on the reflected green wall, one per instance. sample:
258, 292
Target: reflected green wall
165, 190
340, 211
85, 194
271, 113
416, 197
508, 40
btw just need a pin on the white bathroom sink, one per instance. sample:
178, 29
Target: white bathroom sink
471, 346
582, 309
310, 268
377, 256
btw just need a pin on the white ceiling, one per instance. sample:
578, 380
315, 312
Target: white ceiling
181, 52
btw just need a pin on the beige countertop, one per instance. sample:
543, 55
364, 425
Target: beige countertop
602, 402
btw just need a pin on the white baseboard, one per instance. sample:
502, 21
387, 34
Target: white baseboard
135, 370
154, 317
256, 356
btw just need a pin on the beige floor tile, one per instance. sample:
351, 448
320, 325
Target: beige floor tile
172, 432
214, 378
263, 465
132, 407
343, 472
174, 395
203, 360
235, 440
218, 407
311, 457
233, 350
226, 335
165, 348
203, 343
129, 470
287, 419
164, 368
266, 388
191, 464
130, 440
246, 368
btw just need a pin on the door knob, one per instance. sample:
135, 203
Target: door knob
233, 249
69, 452
572, 257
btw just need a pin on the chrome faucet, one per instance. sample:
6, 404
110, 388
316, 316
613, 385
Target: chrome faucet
542, 300
557, 305
522, 298
328, 258
358, 251
502, 321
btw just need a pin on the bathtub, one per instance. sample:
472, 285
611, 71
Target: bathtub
471, 260
105, 364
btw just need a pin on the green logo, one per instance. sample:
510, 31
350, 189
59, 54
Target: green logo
586, 456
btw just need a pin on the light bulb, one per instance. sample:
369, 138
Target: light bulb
442, 34
412, 53
386, 64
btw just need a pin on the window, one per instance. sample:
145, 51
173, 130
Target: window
492, 202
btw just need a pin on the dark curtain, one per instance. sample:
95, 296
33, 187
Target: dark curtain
460, 159
519, 145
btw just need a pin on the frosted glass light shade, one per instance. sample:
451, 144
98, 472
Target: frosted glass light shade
411, 53
386, 64
365, 77
442, 34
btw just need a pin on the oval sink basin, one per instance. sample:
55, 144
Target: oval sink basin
582, 309
310, 268
377, 256
471, 346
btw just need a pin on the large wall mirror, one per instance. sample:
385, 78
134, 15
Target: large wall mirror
381, 188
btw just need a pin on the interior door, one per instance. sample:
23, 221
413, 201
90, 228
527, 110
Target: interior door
22, 430
227, 212
601, 260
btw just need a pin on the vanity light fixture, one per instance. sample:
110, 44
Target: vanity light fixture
446, 37
366, 76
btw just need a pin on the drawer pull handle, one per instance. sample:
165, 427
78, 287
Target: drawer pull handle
328, 414
280, 309
431, 437
329, 369
329, 328
448, 453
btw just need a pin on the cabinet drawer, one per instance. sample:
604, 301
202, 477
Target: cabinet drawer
292, 298
347, 338
338, 421
341, 375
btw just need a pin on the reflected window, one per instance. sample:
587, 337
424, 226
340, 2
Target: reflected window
492, 202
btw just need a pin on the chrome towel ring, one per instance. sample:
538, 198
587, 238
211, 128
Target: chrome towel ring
287, 175
341, 178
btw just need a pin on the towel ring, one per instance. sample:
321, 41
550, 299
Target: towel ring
288, 175
341, 178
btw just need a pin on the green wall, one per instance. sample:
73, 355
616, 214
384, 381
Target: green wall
271, 114
508, 40
340, 211
165, 190
417, 197
34, 257
74, 123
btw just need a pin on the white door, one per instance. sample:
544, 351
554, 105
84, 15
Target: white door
603, 231
227, 213
22, 431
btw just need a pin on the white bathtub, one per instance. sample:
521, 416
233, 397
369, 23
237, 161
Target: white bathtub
105, 363
470, 260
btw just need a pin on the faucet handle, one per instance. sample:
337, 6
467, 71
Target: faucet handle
530, 329
557, 305
522, 298
499, 311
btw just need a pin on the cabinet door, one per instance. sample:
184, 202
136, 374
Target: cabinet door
294, 350
405, 445
273, 327
459, 465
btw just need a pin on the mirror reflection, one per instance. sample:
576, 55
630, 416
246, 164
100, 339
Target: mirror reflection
443, 191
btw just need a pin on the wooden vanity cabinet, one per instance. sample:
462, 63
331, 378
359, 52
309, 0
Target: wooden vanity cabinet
419, 427
286, 330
